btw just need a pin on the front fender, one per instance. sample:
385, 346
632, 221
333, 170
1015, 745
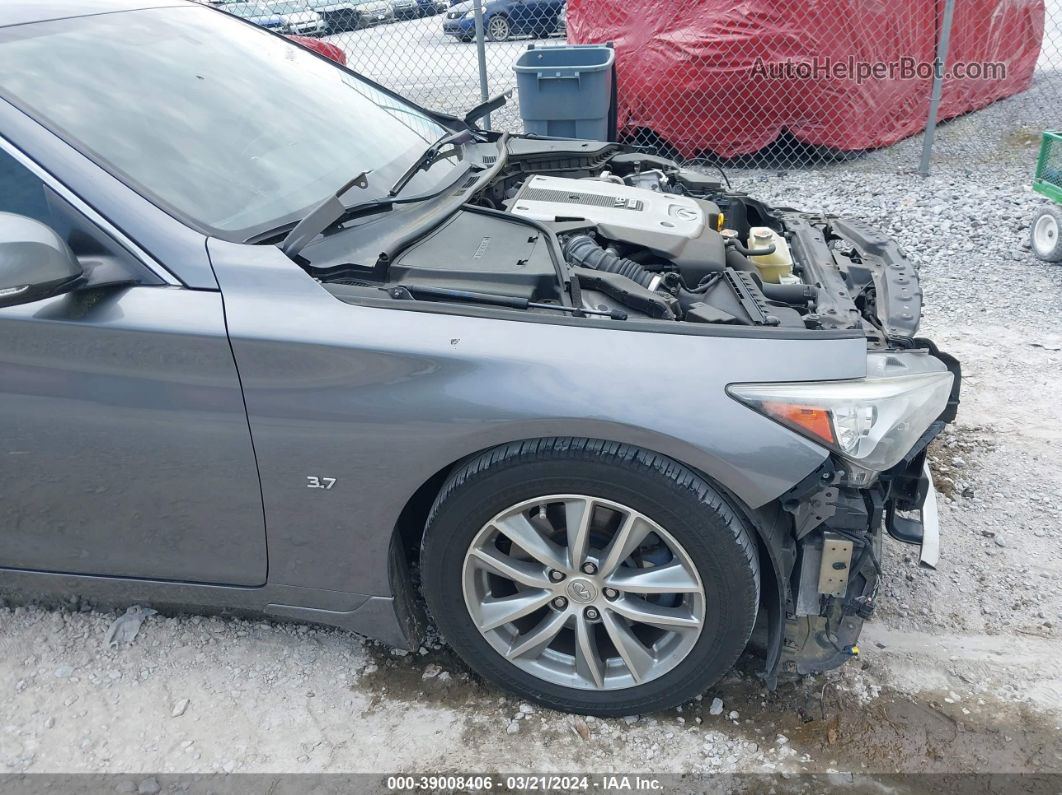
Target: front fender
382, 398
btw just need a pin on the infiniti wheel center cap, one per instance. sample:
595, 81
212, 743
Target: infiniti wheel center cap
581, 591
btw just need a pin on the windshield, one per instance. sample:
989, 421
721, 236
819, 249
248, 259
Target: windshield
228, 127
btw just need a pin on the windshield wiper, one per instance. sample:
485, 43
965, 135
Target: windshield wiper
321, 217
428, 158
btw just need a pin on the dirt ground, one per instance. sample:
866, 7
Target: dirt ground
959, 669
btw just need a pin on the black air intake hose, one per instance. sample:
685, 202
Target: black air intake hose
583, 251
739, 261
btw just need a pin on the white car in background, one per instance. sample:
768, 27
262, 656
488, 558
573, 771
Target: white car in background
297, 17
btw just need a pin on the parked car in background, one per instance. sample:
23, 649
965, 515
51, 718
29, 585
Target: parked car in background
373, 12
285, 16
256, 13
429, 8
414, 9
330, 51
503, 19
405, 9
297, 17
338, 15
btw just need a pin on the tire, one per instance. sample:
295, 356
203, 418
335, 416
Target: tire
694, 527
1044, 234
498, 28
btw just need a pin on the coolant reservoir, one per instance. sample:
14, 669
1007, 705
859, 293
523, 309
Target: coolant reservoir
774, 267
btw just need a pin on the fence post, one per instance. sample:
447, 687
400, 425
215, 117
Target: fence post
938, 87
481, 54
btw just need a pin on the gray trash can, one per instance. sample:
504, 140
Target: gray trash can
566, 92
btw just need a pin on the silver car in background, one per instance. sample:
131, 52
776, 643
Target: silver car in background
275, 339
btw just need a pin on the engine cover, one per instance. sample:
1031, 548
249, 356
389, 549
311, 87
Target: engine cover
611, 204
677, 228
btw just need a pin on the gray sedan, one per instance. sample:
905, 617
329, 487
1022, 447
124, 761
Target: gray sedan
274, 339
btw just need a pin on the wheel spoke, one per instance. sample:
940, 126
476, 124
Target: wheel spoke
670, 578
532, 575
634, 655
521, 532
493, 613
632, 531
643, 612
588, 661
577, 515
536, 640
645, 592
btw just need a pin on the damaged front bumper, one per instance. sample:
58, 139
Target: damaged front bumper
839, 529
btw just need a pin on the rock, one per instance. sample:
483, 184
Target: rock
64, 671
125, 787
526, 709
717, 707
179, 708
1000, 541
630, 720
431, 671
580, 727
733, 715
149, 786
513, 727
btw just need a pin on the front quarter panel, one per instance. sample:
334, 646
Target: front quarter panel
382, 399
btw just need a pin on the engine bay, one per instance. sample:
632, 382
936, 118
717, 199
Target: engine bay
629, 236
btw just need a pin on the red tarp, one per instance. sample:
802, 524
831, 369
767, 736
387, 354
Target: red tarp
688, 69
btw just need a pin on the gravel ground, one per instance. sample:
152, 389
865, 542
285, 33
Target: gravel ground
959, 668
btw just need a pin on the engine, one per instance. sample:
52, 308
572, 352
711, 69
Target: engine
627, 235
633, 243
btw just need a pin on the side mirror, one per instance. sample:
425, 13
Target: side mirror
35, 262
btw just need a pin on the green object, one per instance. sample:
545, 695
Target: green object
1048, 180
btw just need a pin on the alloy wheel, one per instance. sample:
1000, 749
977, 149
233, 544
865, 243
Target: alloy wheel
498, 28
583, 592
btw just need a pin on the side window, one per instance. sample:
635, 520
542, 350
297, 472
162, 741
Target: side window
21, 192
24, 193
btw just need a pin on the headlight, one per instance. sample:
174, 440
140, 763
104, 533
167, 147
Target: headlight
872, 422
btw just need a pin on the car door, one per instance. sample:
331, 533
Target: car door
521, 15
537, 16
125, 448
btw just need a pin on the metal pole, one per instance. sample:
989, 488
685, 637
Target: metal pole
938, 87
481, 54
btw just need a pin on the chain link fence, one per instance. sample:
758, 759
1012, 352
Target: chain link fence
754, 84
